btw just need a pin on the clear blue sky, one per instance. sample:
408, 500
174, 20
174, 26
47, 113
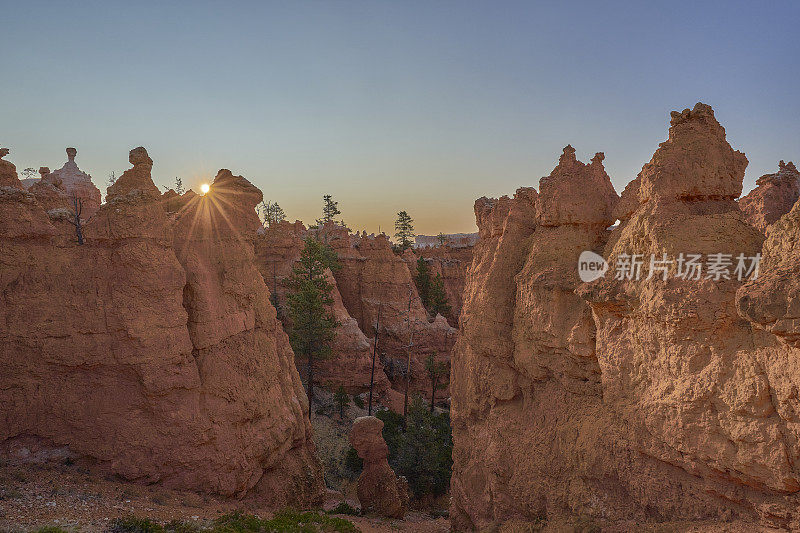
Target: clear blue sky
422, 106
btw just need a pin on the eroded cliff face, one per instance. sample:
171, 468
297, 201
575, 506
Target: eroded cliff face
646, 399
278, 247
150, 352
372, 279
773, 197
452, 263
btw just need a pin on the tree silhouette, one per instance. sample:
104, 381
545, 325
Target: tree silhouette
404, 230
270, 213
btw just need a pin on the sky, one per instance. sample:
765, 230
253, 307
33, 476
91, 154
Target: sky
421, 106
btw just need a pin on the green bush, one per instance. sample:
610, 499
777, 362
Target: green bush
423, 453
358, 401
288, 521
345, 508
132, 524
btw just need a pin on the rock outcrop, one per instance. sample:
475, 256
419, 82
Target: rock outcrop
151, 352
76, 183
278, 247
379, 490
645, 399
773, 197
374, 278
450, 262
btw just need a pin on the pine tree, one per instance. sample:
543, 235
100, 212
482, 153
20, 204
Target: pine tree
270, 213
179, 186
442, 238
435, 371
438, 297
422, 279
312, 323
404, 230
330, 209
342, 400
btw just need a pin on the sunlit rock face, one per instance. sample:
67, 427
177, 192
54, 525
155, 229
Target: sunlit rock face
151, 351
624, 399
76, 183
277, 248
773, 197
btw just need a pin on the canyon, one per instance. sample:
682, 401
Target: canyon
653, 399
145, 338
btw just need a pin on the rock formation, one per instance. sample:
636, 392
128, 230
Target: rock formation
76, 183
451, 262
151, 352
648, 399
379, 490
373, 277
773, 197
277, 248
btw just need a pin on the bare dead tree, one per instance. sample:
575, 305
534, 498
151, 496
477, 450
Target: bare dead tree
77, 208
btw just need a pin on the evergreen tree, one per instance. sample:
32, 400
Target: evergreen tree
270, 213
442, 238
330, 209
435, 372
312, 323
422, 279
404, 230
112, 178
342, 400
438, 297
179, 186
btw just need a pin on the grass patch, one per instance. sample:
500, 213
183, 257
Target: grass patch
237, 522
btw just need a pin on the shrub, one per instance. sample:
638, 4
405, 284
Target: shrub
423, 453
358, 401
345, 508
287, 521
132, 524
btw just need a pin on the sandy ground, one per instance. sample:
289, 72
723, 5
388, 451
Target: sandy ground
36, 496
66, 496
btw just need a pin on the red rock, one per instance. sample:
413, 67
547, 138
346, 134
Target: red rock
666, 403
773, 197
350, 366
380, 491
373, 277
76, 183
151, 352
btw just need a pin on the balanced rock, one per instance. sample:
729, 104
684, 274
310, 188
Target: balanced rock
75, 183
380, 491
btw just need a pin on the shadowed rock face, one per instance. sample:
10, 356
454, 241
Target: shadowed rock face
773, 197
645, 400
151, 352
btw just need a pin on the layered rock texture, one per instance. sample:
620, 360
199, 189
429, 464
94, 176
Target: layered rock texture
379, 490
373, 280
658, 398
773, 197
278, 247
57, 189
150, 352
450, 262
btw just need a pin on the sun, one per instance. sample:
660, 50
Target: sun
204, 188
